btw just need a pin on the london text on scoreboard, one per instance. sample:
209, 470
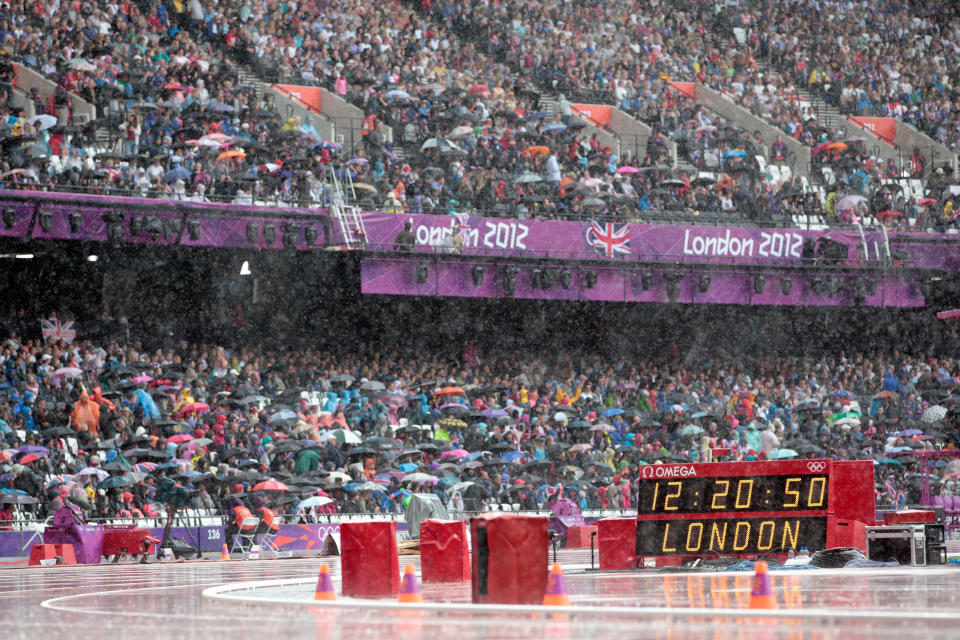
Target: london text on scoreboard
746, 508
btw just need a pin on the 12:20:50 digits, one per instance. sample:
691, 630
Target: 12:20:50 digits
757, 493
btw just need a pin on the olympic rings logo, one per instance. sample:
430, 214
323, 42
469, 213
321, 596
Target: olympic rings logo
816, 467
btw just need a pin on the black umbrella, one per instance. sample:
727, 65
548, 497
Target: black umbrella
427, 446
383, 444
56, 432
500, 446
361, 451
579, 424
17, 498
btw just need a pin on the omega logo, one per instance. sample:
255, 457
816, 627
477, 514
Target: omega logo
668, 471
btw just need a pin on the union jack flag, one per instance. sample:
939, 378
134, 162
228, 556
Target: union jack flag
463, 219
54, 331
609, 239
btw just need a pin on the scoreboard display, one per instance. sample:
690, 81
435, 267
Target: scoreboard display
750, 508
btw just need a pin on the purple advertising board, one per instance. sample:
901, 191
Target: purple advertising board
65, 216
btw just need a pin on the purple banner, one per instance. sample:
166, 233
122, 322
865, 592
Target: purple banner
473, 277
663, 243
65, 216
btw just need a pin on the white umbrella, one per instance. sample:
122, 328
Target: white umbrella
934, 414
43, 121
80, 65
560, 415
348, 437
419, 478
373, 385
315, 501
339, 475
438, 143
460, 486
93, 471
847, 422
68, 372
461, 132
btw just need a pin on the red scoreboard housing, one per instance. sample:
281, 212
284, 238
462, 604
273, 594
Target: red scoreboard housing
751, 509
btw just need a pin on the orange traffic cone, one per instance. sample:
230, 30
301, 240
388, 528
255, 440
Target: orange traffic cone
556, 593
324, 585
761, 596
409, 588
224, 554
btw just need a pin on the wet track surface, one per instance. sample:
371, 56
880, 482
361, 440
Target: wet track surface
166, 600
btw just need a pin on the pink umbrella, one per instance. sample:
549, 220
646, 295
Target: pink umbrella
140, 379
581, 446
180, 438
195, 407
927, 201
456, 453
628, 169
270, 485
948, 315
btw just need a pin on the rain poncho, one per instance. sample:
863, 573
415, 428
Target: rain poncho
86, 413
145, 402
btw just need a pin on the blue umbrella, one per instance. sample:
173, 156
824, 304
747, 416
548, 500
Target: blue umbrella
735, 153
448, 481
474, 456
407, 467
700, 414
612, 412
555, 127
512, 456
177, 173
896, 463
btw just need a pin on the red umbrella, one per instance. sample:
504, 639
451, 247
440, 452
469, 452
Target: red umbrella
889, 213
927, 201
194, 407
28, 458
270, 485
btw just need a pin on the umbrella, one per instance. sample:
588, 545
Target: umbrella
691, 430
343, 436
889, 213
439, 143
460, 486
271, 485
180, 438
849, 202
361, 451
735, 153
17, 498
370, 486
315, 501
68, 372
455, 453
450, 391
233, 153
452, 423
783, 454
178, 173
408, 467
116, 481
934, 414
535, 152
527, 178
373, 385
628, 169
194, 407
79, 64
836, 146
420, 478
606, 428
461, 132
56, 432
93, 471
30, 457
926, 201
611, 412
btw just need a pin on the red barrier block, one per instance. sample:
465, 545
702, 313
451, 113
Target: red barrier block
579, 537
368, 559
509, 558
42, 552
444, 551
66, 553
845, 533
617, 543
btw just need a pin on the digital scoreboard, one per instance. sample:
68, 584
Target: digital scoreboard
752, 508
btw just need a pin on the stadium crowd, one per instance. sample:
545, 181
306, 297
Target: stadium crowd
311, 430
459, 84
